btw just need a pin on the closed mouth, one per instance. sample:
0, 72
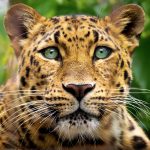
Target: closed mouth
79, 114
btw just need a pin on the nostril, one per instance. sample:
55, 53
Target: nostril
89, 88
78, 90
70, 89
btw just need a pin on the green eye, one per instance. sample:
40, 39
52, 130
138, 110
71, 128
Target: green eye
102, 52
50, 53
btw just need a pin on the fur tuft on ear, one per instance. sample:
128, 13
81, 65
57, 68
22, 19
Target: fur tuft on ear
19, 20
129, 19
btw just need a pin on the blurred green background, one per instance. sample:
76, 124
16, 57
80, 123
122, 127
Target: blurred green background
141, 61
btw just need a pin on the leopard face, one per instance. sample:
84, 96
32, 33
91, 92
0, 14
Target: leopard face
75, 69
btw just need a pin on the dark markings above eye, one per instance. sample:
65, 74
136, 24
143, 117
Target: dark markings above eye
56, 37
96, 36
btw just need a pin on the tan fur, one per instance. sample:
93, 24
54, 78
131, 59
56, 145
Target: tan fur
38, 113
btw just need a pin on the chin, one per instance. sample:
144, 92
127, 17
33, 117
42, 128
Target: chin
78, 125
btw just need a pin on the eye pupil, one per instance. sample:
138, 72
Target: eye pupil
102, 52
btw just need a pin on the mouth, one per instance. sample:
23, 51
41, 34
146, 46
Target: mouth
79, 115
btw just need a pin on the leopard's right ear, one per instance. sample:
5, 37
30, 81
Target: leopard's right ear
18, 22
129, 21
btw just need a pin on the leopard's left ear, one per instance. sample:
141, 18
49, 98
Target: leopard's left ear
129, 20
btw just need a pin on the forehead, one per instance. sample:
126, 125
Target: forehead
79, 27
75, 21
76, 24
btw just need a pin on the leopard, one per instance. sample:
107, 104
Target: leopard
73, 79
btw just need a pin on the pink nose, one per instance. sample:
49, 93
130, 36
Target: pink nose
78, 91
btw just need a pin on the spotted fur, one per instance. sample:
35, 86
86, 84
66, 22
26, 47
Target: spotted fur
40, 107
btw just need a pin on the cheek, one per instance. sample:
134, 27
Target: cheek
107, 70
44, 68
38, 73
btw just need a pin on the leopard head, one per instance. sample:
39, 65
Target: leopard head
76, 69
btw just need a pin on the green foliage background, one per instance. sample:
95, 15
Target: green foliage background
141, 61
